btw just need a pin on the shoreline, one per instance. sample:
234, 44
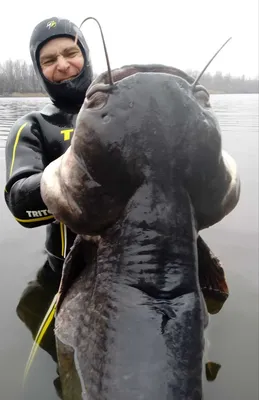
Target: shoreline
17, 94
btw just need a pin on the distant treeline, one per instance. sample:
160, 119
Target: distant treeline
19, 77
219, 83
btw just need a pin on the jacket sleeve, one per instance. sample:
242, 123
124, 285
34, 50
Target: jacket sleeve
24, 166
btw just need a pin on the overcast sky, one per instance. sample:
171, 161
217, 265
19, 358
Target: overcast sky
184, 34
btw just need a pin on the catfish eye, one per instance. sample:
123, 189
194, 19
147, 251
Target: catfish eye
202, 95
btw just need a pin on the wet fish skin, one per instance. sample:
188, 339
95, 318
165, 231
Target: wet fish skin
146, 172
122, 136
136, 316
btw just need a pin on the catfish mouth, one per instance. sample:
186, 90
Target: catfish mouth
103, 84
106, 83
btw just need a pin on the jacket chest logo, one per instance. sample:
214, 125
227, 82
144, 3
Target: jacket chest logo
66, 133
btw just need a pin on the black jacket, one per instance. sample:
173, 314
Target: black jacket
34, 141
38, 138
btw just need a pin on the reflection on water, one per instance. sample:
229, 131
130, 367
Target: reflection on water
33, 305
13, 108
27, 285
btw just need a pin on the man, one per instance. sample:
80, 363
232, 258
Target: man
64, 69
65, 72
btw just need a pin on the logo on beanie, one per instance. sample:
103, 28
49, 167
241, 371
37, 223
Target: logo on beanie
51, 24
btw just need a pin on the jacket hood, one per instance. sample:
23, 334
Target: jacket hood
67, 94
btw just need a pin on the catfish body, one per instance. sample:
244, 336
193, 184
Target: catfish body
146, 172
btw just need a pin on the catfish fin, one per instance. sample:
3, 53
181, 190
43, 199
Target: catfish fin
212, 369
212, 278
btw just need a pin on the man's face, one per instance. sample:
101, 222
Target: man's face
61, 59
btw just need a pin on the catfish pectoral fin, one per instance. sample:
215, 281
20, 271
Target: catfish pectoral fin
212, 369
212, 278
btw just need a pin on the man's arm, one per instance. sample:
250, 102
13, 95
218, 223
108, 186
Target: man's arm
24, 166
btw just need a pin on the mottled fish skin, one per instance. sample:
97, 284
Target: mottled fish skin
146, 172
136, 319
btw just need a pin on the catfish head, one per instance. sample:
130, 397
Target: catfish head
149, 126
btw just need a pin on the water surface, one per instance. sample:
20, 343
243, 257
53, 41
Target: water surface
233, 333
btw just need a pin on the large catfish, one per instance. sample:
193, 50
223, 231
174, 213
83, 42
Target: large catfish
145, 172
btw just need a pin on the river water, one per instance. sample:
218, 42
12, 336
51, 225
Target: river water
233, 333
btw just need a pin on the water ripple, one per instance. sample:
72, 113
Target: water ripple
13, 108
237, 113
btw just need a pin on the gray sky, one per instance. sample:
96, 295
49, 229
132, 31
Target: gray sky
184, 34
